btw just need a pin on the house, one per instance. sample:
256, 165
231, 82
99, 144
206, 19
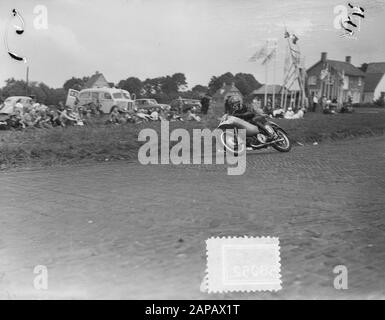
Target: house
336, 79
97, 81
224, 92
270, 90
374, 87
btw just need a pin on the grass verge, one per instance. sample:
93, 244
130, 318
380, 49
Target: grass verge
99, 142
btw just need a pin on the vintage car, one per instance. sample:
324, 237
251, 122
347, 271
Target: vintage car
149, 104
9, 104
183, 105
106, 98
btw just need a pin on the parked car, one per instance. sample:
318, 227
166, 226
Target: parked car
150, 103
9, 104
185, 104
106, 98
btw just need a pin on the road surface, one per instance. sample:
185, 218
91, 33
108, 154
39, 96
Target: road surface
124, 230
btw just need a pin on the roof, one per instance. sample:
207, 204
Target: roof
277, 89
225, 89
348, 68
376, 67
371, 81
104, 89
91, 81
18, 97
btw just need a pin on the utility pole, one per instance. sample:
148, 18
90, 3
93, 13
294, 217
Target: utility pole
27, 81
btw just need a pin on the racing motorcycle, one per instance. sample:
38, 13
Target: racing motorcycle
256, 136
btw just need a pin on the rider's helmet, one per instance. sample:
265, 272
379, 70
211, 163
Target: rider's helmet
235, 103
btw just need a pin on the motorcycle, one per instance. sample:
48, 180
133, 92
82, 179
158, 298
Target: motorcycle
256, 136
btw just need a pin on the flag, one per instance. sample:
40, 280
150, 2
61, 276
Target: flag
261, 53
324, 73
269, 56
342, 77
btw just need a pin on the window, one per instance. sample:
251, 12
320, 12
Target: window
312, 80
107, 96
346, 82
84, 95
126, 96
356, 97
95, 96
359, 81
117, 95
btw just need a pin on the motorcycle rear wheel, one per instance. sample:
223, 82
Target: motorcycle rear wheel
285, 145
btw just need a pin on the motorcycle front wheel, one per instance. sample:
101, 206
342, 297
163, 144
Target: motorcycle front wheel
232, 142
285, 144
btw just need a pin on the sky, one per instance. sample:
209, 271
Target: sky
201, 38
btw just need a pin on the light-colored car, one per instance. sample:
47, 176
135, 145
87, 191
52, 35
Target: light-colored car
107, 98
8, 106
149, 104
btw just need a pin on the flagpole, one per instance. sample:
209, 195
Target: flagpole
266, 77
274, 66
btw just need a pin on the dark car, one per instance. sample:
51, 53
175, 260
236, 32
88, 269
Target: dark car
185, 104
150, 104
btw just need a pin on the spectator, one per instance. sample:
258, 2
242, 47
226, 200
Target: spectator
18, 105
256, 105
227, 105
315, 102
114, 115
205, 102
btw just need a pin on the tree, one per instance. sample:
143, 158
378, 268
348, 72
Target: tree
217, 82
75, 83
180, 81
39, 90
132, 85
200, 89
14, 88
364, 67
165, 88
245, 82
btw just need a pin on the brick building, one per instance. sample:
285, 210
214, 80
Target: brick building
336, 79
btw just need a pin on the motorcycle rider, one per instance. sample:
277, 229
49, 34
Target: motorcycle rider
256, 117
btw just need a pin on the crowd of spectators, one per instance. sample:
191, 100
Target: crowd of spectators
36, 115
152, 114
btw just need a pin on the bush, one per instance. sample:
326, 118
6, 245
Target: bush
380, 102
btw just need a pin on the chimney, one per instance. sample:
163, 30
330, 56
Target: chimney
348, 59
324, 56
